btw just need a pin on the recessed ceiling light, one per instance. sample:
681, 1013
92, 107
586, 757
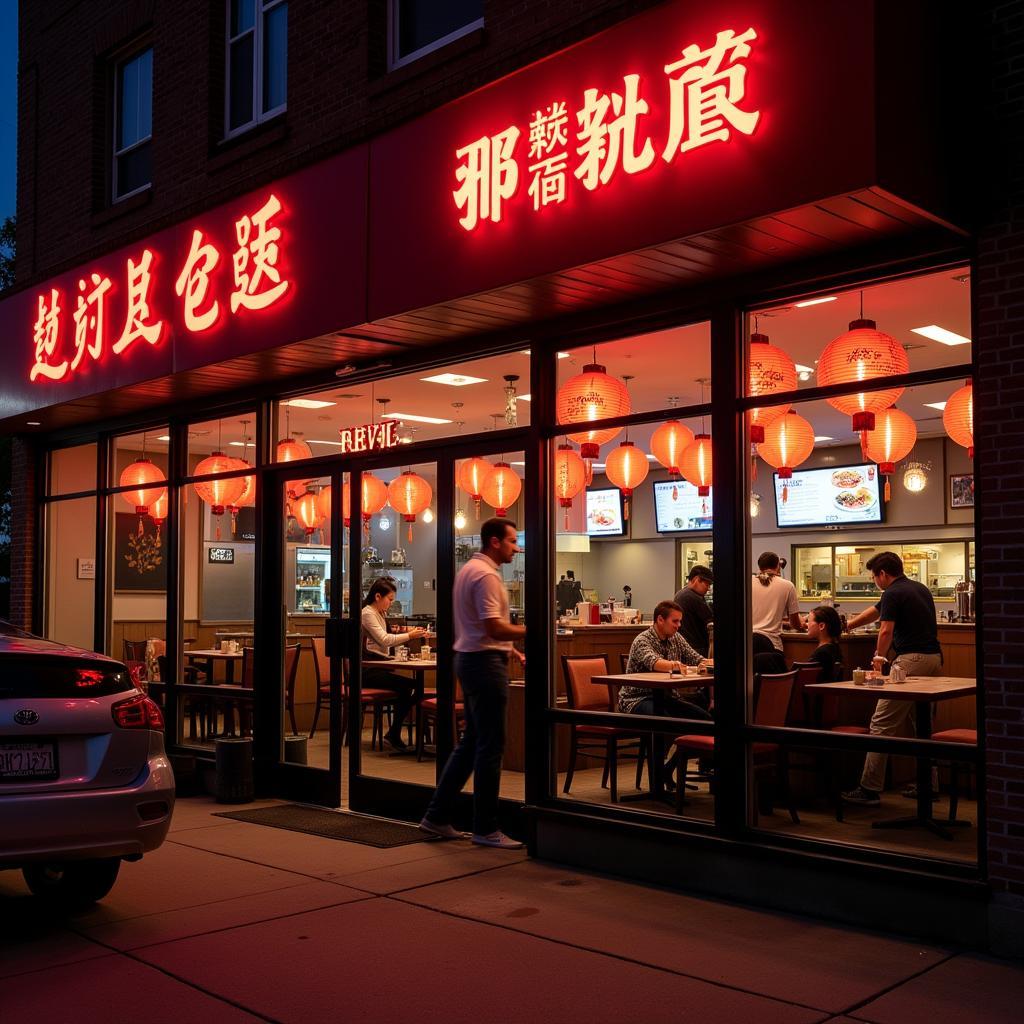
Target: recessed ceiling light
412, 418
517, 463
308, 403
456, 380
804, 372
164, 437
33, 423
815, 302
238, 444
941, 335
561, 355
823, 437
936, 405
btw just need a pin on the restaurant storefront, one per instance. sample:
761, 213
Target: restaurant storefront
666, 307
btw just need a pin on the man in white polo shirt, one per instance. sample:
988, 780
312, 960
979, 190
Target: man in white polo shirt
483, 641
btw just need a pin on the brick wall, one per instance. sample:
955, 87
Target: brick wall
23, 518
998, 289
338, 94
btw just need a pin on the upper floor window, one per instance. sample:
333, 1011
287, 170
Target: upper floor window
133, 124
257, 62
417, 27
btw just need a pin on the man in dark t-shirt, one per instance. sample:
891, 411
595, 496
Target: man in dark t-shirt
909, 636
696, 611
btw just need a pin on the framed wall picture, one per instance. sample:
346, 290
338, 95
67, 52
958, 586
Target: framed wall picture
140, 559
961, 490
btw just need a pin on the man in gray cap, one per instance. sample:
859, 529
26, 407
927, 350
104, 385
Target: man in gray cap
696, 610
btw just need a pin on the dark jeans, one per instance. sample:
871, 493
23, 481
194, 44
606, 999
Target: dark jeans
484, 679
675, 707
406, 690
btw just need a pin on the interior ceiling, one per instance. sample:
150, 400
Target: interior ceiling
665, 366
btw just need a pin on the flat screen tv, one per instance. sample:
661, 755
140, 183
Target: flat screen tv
837, 496
678, 508
604, 512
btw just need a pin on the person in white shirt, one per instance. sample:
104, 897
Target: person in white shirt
377, 643
483, 644
773, 600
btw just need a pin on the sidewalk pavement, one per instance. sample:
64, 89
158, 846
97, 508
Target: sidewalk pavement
230, 921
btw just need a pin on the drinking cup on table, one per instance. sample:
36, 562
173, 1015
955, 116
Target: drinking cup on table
690, 670
859, 677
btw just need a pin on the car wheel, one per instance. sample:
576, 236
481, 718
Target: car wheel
74, 885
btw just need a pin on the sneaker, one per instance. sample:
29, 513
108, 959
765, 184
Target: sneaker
498, 839
441, 831
865, 797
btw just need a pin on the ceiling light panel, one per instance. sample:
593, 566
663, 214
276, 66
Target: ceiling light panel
308, 403
941, 335
412, 418
936, 405
455, 380
815, 302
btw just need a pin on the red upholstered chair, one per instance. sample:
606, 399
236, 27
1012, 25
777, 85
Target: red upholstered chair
426, 717
967, 737
135, 660
605, 742
799, 710
322, 673
772, 694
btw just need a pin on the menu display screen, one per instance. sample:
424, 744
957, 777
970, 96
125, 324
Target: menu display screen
827, 497
604, 512
679, 508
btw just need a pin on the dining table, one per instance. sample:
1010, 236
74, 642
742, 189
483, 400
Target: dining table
210, 656
661, 684
925, 692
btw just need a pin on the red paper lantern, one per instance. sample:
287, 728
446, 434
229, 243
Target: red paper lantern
409, 495
247, 499
770, 371
291, 450
627, 468
323, 504
373, 496
787, 442
502, 488
669, 442
958, 417
592, 395
218, 494
307, 512
473, 474
136, 475
866, 354
158, 512
696, 464
570, 477
892, 439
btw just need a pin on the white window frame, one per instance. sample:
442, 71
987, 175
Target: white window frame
119, 66
263, 7
395, 61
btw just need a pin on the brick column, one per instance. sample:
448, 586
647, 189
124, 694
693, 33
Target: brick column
23, 523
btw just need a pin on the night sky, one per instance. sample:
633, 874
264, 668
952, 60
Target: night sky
8, 104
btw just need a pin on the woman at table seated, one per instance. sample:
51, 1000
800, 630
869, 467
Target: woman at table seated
825, 626
377, 643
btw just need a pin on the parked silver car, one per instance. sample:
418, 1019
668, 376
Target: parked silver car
84, 779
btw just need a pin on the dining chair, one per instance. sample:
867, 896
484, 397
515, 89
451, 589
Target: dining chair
135, 660
427, 714
967, 737
602, 742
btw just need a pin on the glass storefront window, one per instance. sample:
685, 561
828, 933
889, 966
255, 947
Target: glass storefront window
71, 571
128, 450
72, 469
812, 573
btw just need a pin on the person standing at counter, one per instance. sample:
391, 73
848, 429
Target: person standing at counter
908, 628
377, 644
773, 600
696, 610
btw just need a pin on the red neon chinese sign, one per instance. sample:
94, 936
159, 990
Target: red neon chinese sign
705, 90
61, 349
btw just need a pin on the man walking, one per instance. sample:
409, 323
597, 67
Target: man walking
908, 627
483, 640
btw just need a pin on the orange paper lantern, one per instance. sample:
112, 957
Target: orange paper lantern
323, 504
958, 417
627, 468
307, 512
570, 477
291, 450
473, 474
892, 439
770, 371
866, 354
669, 442
218, 494
409, 495
136, 475
373, 496
592, 395
247, 498
502, 488
787, 442
158, 513
696, 464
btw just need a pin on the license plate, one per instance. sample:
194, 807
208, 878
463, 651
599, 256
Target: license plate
27, 761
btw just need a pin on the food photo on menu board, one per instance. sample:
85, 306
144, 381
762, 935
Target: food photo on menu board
678, 507
604, 512
821, 497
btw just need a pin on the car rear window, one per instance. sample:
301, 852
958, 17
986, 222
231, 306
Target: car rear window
39, 676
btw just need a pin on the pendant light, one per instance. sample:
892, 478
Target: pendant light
626, 467
570, 475
459, 519
373, 498
247, 498
770, 371
473, 474
958, 417
511, 413
307, 512
219, 493
158, 513
915, 476
137, 475
502, 488
409, 495
669, 442
893, 438
788, 441
323, 504
695, 464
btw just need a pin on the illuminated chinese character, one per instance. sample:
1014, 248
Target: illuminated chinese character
605, 143
488, 177
548, 132
136, 322
704, 97
194, 283
89, 318
261, 246
45, 335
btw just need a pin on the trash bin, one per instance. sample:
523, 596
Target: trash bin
295, 748
234, 770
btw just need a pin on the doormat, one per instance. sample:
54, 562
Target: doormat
332, 825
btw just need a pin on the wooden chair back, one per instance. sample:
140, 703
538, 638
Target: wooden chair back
248, 674
773, 696
582, 694
321, 663
624, 661
806, 672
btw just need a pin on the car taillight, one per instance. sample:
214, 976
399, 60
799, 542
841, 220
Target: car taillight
138, 713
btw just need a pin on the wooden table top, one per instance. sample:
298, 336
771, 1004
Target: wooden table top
918, 688
413, 663
653, 680
211, 653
